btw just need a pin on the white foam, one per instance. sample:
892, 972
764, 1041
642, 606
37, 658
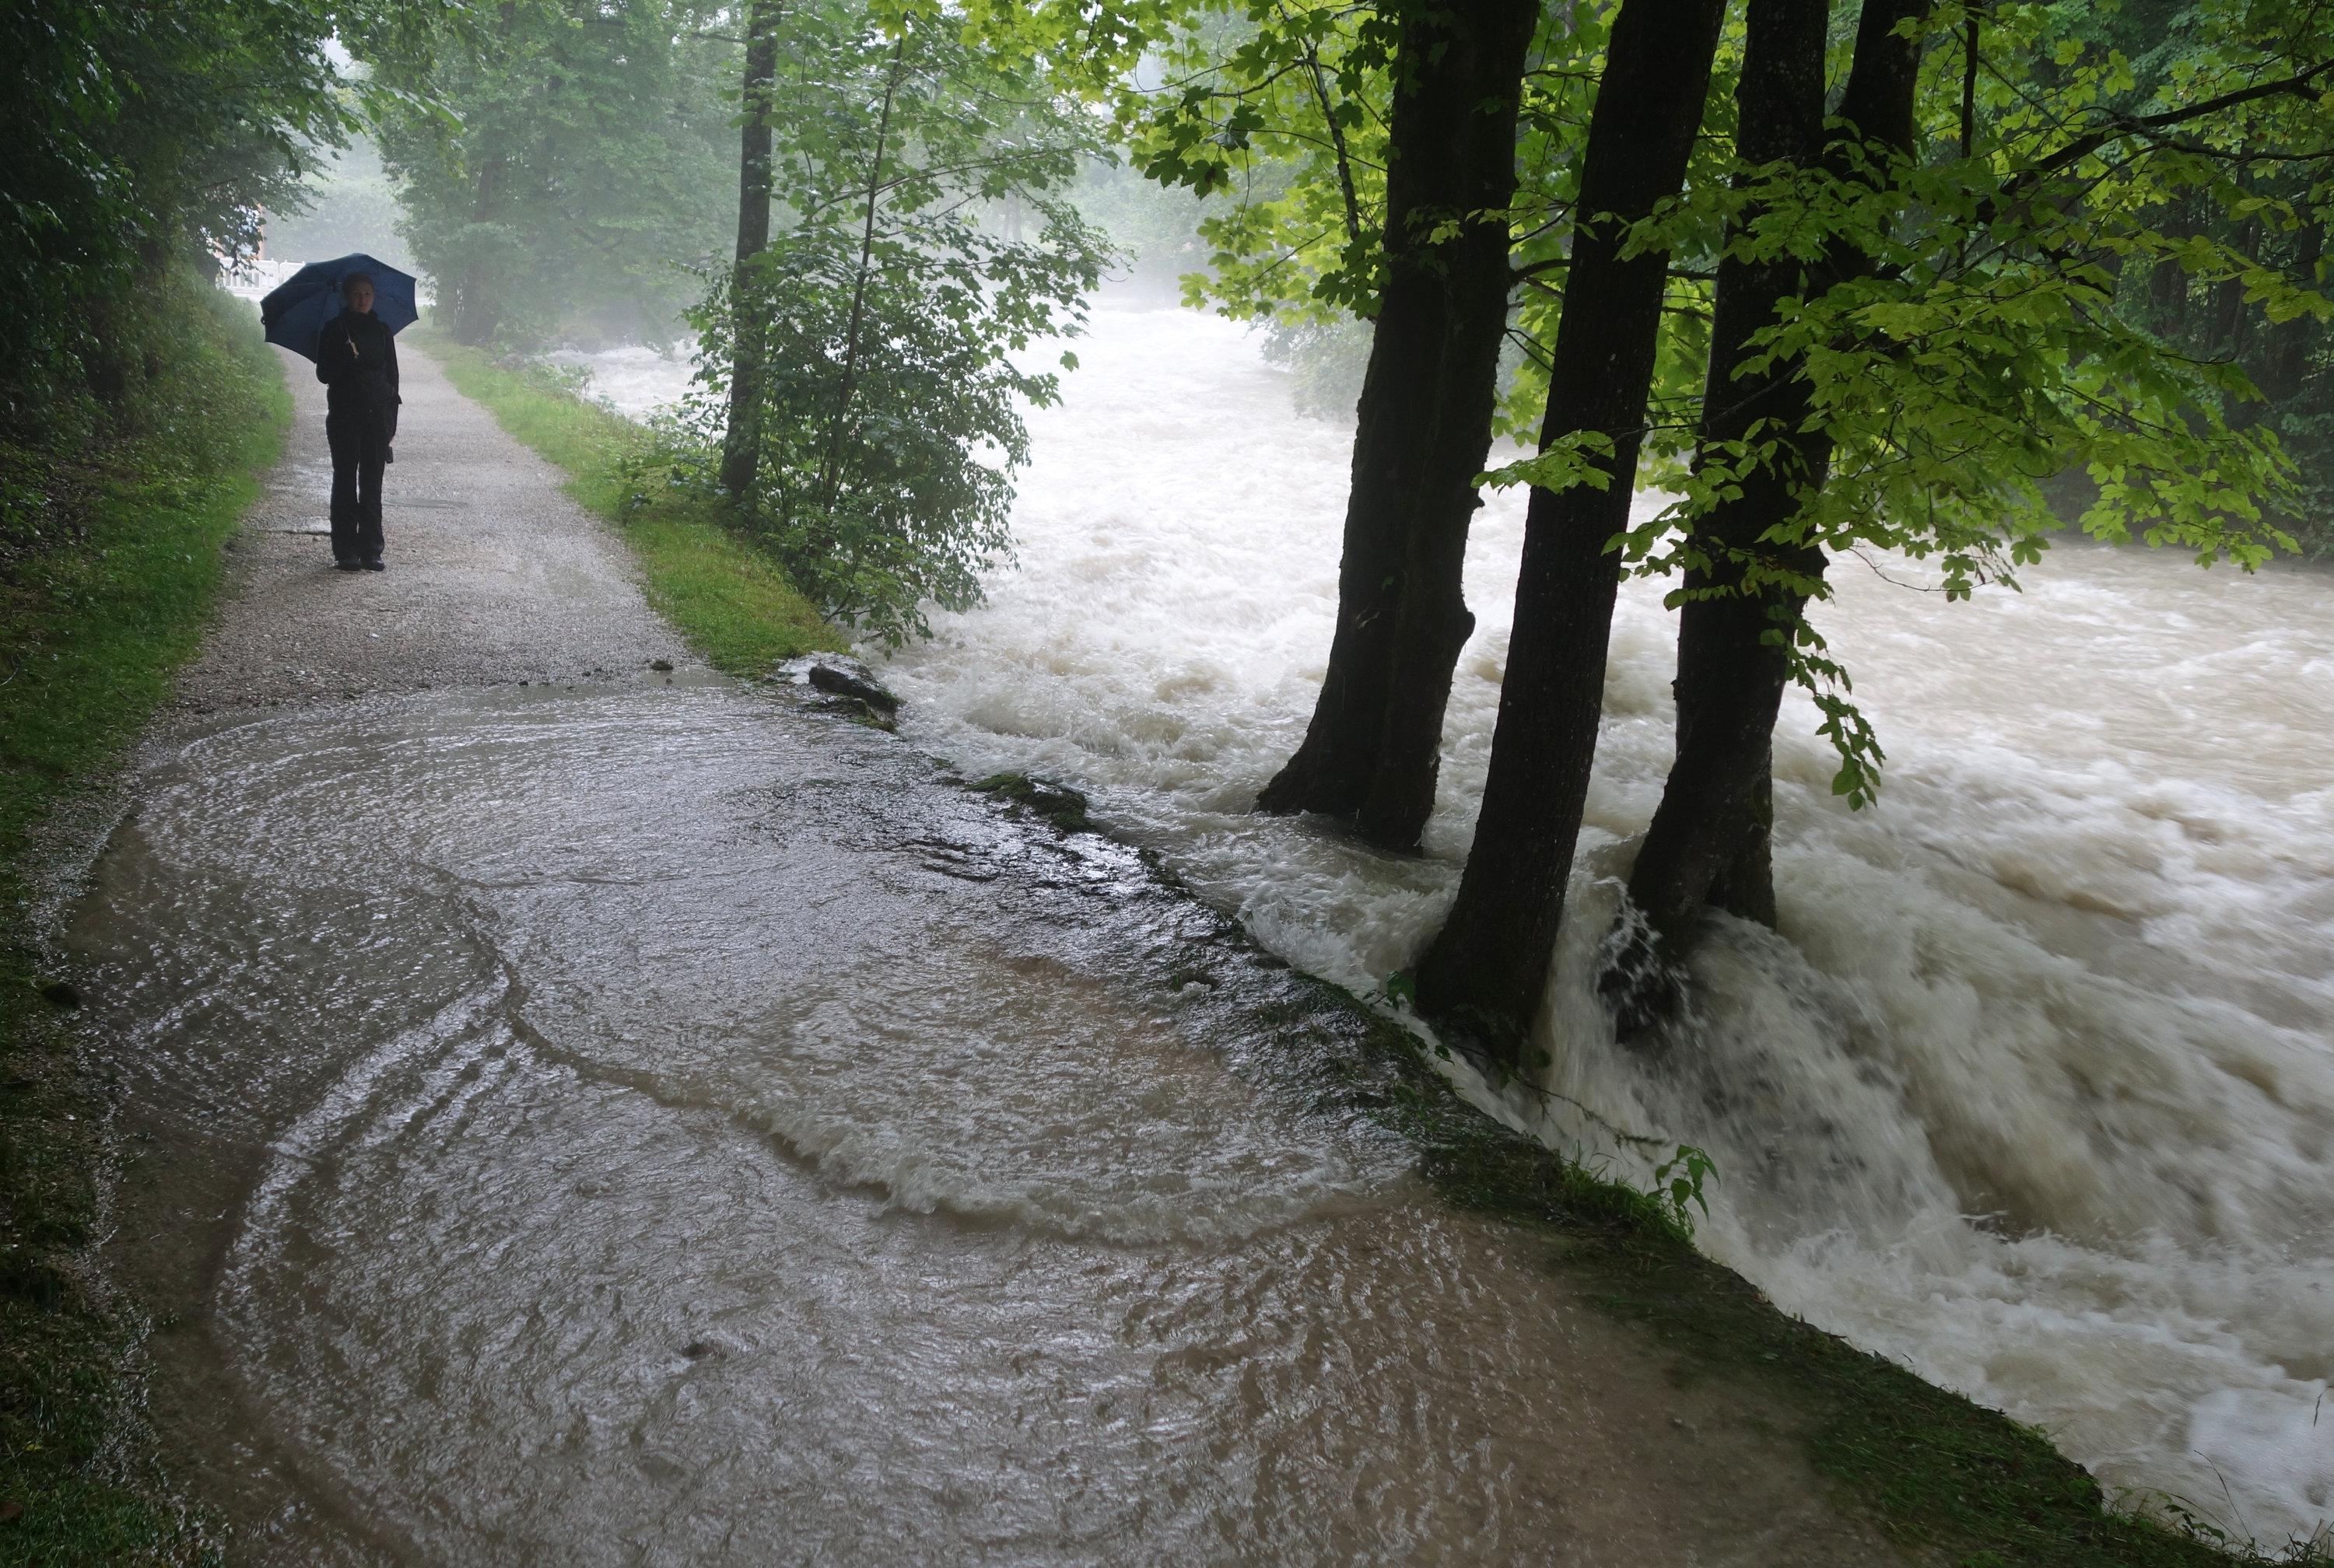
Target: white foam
2070, 977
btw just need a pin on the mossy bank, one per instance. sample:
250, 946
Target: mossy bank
113, 519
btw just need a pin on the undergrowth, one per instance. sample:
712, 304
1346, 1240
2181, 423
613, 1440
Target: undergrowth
112, 520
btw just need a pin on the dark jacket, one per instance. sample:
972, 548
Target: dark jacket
363, 382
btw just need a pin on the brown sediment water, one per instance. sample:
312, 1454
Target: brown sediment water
645, 1124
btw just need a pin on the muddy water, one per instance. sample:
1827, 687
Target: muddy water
643, 1125
2035, 1090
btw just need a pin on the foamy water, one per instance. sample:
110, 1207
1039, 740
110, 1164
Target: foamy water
2033, 1090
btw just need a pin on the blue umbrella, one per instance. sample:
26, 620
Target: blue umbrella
298, 307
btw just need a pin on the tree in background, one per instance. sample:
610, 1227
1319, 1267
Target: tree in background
562, 173
741, 441
2270, 205
891, 314
137, 138
140, 146
349, 203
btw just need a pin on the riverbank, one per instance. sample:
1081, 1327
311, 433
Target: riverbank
1938, 1473
117, 563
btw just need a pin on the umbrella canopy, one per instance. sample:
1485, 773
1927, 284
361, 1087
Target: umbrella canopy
298, 307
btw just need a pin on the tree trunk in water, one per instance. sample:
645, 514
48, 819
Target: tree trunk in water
1373, 749
1486, 970
741, 443
1730, 674
1711, 839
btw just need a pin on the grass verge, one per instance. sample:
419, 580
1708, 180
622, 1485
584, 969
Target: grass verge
109, 562
735, 607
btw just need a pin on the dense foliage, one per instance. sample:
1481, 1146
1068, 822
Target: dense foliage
139, 141
562, 173
2087, 306
926, 243
136, 136
2261, 203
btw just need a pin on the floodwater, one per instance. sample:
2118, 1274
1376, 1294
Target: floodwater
2035, 1089
640, 1124
667, 1137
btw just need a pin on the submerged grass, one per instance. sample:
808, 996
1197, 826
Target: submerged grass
735, 606
113, 558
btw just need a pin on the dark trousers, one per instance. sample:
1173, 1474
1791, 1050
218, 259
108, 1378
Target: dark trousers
360, 449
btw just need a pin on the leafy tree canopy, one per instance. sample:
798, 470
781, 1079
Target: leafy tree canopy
925, 243
563, 164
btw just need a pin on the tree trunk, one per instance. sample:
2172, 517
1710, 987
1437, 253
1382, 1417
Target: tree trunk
1710, 842
830, 479
2285, 365
476, 306
1486, 970
477, 310
1373, 749
741, 443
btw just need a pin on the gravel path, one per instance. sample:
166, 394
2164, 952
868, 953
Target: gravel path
494, 575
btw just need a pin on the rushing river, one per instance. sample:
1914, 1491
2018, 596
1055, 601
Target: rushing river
2034, 1090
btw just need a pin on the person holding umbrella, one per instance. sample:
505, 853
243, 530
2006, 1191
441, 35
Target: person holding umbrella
356, 359
327, 310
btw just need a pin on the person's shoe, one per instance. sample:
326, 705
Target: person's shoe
375, 564
348, 565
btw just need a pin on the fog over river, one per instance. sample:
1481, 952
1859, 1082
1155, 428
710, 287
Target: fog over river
2034, 1090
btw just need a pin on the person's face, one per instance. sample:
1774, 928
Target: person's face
358, 297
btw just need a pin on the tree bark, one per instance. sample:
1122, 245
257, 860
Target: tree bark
1486, 971
1711, 839
477, 309
741, 442
1372, 751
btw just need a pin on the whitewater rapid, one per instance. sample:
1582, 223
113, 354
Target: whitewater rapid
2032, 1092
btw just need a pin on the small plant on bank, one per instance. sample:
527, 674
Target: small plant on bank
863, 373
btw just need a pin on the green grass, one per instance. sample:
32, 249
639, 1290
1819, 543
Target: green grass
110, 559
735, 606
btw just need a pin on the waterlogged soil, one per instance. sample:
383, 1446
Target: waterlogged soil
645, 1120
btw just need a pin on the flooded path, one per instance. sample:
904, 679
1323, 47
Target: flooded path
2034, 1091
634, 1120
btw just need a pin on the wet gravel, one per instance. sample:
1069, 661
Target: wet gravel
494, 575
